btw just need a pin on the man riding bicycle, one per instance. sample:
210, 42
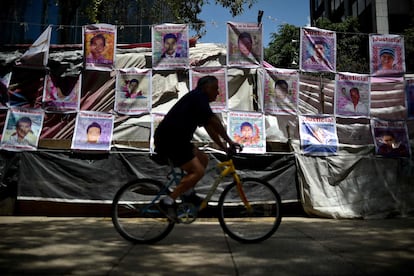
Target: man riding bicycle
173, 137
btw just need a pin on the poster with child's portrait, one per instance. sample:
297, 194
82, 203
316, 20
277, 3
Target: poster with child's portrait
22, 129
352, 94
99, 46
390, 138
93, 131
220, 104
133, 91
170, 46
244, 44
281, 88
387, 55
61, 94
247, 129
317, 50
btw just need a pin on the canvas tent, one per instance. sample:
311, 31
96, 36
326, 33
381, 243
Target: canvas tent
354, 183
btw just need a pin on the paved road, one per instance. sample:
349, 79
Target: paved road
301, 246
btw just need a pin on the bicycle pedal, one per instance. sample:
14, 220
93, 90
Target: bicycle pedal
186, 212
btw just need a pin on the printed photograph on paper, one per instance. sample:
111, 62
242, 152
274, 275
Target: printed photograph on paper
133, 91
390, 138
281, 88
93, 131
99, 43
409, 89
247, 129
62, 94
318, 135
244, 44
220, 104
22, 129
170, 46
387, 55
352, 94
317, 50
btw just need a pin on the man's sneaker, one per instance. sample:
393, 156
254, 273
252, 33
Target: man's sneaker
169, 210
192, 198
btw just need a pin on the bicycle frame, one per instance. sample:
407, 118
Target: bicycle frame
227, 168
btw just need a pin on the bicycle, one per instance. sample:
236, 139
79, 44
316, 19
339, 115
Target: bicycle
249, 209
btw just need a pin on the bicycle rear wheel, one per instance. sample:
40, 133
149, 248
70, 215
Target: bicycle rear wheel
135, 214
257, 224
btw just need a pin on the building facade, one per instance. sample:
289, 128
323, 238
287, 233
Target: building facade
375, 16
23, 21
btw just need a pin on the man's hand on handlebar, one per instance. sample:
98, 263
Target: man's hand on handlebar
234, 148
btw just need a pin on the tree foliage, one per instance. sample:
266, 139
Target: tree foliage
179, 11
352, 46
284, 47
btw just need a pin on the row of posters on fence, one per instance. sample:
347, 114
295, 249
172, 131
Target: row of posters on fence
170, 48
133, 92
93, 131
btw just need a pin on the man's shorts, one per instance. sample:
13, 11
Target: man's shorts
178, 153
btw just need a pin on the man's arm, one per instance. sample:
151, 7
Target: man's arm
216, 131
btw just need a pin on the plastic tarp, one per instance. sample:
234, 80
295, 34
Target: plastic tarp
76, 177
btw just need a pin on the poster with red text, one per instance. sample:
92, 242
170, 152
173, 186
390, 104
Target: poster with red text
133, 91
318, 134
281, 87
99, 46
62, 94
244, 44
387, 55
93, 131
352, 94
22, 129
220, 104
248, 129
317, 50
170, 46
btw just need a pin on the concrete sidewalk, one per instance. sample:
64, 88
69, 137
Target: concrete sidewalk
301, 246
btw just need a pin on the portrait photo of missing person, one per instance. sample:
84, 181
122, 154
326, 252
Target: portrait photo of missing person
387, 59
22, 130
170, 46
354, 105
390, 145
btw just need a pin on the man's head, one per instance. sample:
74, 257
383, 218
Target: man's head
281, 89
387, 57
97, 45
319, 48
23, 126
93, 132
245, 43
354, 93
170, 43
388, 138
209, 85
133, 85
246, 130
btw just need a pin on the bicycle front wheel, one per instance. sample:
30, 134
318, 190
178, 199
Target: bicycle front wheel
135, 214
257, 223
